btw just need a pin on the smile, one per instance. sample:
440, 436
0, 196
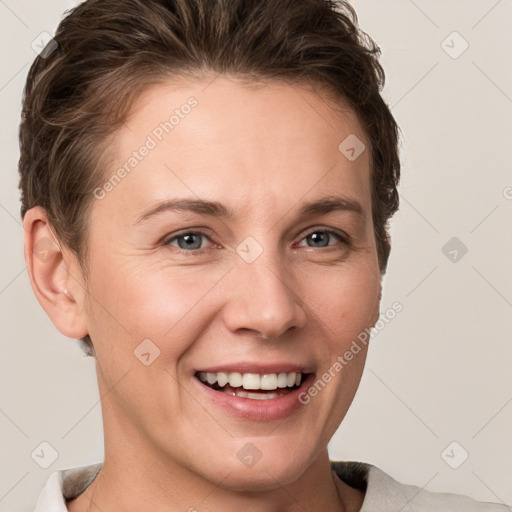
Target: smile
252, 385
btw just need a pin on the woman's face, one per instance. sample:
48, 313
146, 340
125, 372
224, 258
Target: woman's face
261, 282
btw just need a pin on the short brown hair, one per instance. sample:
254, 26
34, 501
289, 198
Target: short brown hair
77, 95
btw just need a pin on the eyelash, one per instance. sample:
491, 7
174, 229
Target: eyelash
343, 237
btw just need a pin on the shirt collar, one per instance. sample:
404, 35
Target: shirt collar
65, 484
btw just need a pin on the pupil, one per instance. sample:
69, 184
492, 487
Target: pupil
189, 242
319, 237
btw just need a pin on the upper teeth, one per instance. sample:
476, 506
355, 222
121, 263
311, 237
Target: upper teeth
252, 380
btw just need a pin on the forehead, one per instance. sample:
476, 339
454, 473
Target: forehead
248, 143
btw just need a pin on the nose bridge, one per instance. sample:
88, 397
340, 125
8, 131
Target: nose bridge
265, 298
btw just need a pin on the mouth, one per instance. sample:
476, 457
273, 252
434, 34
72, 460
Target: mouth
253, 386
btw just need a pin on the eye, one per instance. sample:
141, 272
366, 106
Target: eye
322, 237
190, 241
194, 241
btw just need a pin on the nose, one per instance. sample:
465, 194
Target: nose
264, 300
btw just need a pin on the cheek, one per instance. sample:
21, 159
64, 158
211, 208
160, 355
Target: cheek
130, 303
346, 302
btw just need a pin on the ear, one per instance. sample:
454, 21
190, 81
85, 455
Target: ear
55, 275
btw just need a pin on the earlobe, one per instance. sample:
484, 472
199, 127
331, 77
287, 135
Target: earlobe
51, 271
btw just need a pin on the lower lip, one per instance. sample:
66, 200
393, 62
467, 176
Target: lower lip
257, 410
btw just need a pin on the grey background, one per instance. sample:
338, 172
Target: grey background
437, 373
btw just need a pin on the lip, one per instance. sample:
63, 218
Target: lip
261, 369
255, 410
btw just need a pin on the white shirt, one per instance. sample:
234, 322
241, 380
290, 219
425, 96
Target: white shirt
382, 492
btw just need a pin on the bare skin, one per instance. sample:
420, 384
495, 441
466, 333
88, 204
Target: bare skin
263, 152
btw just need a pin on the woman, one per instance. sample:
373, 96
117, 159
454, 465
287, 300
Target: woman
206, 188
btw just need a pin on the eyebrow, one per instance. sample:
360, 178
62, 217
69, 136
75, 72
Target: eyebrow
215, 209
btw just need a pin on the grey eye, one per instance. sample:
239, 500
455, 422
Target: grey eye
321, 238
190, 241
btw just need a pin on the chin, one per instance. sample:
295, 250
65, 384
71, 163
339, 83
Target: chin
262, 476
264, 463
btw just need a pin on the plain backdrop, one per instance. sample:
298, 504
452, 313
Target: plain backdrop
437, 387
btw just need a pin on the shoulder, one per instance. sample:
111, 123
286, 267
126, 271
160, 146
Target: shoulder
385, 494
